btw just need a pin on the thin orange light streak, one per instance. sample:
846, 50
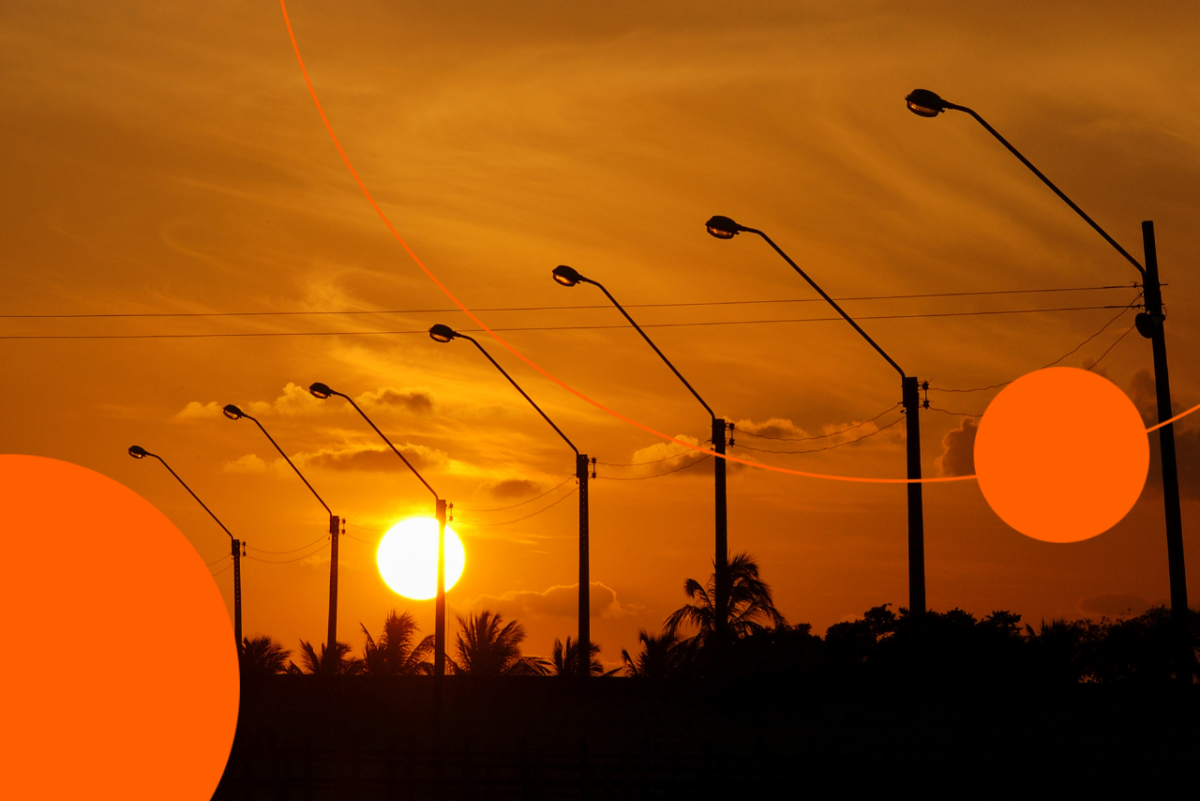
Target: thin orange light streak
1173, 419
530, 362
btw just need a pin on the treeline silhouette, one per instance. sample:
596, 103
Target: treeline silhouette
750, 640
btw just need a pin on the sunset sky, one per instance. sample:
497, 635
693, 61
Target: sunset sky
166, 158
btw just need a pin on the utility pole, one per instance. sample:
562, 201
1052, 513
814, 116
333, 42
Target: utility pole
237, 592
721, 557
584, 645
331, 648
1150, 326
916, 510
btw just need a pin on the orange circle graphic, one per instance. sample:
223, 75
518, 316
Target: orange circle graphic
1061, 454
121, 673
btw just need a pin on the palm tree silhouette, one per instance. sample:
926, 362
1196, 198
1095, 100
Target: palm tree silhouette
316, 664
262, 656
750, 605
565, 659
487, 649
396, 654
662, 656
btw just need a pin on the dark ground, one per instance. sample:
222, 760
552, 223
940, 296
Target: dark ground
305, 737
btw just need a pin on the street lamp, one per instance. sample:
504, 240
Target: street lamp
1150, 325
444, 333
569, 276
236, 546
725, 228
234, 413
324, 392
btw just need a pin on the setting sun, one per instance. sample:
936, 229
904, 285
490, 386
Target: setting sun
407, 558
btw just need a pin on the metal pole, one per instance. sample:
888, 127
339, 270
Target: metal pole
331, 641
721, 557
1176, 569
912, 407
916, 516
581, 472
237, 593
439, 615
584, 645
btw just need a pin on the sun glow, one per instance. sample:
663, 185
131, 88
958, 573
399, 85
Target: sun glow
407, 558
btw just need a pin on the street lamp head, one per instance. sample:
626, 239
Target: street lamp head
233, 412
138, 452
321, 391
925, 103
723, 227
442, 333
567, 276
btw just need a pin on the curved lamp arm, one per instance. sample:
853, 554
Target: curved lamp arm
234, 413
323, 391
925, 103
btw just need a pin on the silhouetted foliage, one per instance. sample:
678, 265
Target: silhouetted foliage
487, 649
951, 647
262, 656
564, 659
781, 652
663, 656
342, 664
396, 654
750, 605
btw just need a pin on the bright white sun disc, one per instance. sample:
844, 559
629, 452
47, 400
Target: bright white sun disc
407, 558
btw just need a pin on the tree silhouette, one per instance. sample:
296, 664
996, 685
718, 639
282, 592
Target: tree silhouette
750, 604
487, 649
565, 659
396, 654
663, 656
342, 663
262, 656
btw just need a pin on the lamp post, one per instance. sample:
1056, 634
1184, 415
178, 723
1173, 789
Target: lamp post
925, 103
324, 392
568, 276
234, 413
444, 333
138, 452
725, 228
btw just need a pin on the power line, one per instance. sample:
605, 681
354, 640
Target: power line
293, 550
657, 475
526, 517
746, 433
652, 461
222, 570
288, 561
131, 315
215, 561
545, 328
1093, 367
1113, 345
830, 447
1060, 358
956, 414
515, 505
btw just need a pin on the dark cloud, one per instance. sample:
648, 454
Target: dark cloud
513, 489
958, 450
1113, 604
659, 459
557, 601
775, 427
1187, 440
413, 400
374, 458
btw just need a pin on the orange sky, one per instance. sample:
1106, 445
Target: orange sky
167, 158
